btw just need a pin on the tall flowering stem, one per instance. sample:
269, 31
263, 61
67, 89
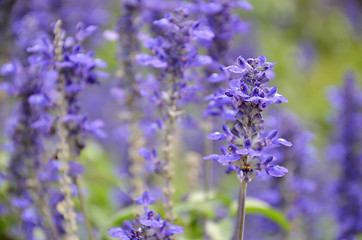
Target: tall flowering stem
30, 123
76, 70
248, 96
128, 44
65, 207
173, 53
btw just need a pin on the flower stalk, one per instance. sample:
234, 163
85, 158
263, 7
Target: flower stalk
241, 214
65, 207
171, 114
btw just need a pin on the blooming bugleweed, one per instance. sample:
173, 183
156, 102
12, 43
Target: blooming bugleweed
174, 53
249, 96
148, 226
223, 23
31, 19
30, 122
49, 86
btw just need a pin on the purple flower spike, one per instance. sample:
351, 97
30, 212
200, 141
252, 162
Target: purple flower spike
249, 95
149, 225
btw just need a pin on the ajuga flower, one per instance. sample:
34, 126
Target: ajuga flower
174, 53
31, 19
73, 70
148, 226
219, 16
247, 139
249, 96
30, 122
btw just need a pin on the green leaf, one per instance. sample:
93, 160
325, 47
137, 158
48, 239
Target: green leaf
206, 209
259, 207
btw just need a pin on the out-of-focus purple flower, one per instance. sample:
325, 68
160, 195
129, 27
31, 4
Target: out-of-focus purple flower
174, 53
173, 50
30, 123
31, 19
145, 199
219, 16
149, 225
249, 96
345, 152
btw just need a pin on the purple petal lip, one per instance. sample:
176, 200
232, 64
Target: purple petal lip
216, 136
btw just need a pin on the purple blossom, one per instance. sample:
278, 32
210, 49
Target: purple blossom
149, 225
173, 50
219, 16
30, 122
31, 20
249, 95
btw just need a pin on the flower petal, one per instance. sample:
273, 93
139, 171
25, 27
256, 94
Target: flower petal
216, 136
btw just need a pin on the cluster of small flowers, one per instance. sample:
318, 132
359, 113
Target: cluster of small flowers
248, 96
219, 16
47, 88
148, 226
31, 19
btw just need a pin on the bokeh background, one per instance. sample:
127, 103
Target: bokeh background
315, 44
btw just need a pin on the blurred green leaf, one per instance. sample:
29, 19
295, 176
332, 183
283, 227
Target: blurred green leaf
202, 203
259, 207
206, 209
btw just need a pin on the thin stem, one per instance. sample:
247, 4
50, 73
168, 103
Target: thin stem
237, 229
171, 115
83, 208
242, 198
42, 201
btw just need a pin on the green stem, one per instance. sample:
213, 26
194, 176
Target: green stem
242, 198
237, 224
83, 208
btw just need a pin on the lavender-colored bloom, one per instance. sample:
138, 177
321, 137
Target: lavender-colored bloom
30, 122
174, 53
219, 16
173, 50
37, 86
145, 199
250, 95
346, 152
31, 19
149, 225
78, 69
